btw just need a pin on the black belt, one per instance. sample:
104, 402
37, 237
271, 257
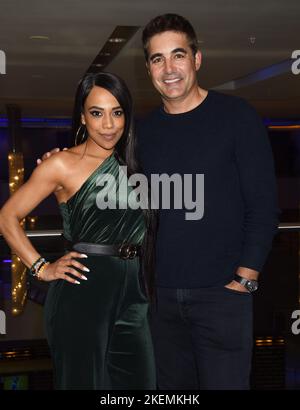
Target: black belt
123, 251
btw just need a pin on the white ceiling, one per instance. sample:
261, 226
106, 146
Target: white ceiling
42, 75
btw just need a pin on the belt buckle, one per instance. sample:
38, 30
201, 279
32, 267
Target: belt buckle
127, 251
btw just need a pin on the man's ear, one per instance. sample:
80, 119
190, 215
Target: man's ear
147, 68
198, 60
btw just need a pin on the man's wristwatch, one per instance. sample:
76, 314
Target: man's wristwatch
250, 284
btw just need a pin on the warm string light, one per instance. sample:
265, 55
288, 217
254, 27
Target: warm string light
18, 287
31, 221
269, 341
18, 269
16, 171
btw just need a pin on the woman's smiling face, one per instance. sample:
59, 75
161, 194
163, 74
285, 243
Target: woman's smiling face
103, 117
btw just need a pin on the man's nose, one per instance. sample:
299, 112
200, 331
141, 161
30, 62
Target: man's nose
169, 66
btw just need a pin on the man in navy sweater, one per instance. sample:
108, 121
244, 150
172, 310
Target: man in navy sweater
207, 268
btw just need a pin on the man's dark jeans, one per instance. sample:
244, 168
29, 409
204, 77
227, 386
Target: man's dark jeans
202, 338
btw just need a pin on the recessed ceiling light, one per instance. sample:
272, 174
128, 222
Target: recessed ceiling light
39, 38
117, 40
37, 76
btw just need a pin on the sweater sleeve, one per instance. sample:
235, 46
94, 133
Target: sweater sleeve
258, 185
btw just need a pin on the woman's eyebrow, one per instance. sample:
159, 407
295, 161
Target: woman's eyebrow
100, 108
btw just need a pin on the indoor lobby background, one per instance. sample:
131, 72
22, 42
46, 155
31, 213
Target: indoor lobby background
251, 48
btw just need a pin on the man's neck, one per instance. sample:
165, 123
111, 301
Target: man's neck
185, 104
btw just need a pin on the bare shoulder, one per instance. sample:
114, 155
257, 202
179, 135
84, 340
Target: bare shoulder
62, 160
55, 161
53, 169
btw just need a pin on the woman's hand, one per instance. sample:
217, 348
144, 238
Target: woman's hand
66, 264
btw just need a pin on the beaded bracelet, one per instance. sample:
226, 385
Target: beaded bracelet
36, 266
40, 270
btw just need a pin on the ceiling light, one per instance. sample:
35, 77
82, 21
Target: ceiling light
39, 38
114, 44
117, 40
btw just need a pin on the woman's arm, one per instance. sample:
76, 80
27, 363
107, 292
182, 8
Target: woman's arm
43, 181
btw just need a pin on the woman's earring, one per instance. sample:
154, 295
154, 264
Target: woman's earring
77, 135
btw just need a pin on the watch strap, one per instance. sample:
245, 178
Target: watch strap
240, 279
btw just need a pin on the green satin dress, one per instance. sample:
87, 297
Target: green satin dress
98, 331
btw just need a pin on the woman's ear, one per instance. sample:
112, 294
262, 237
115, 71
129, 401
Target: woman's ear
82, 119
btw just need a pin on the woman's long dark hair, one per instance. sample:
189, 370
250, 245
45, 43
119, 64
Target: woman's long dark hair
125, 152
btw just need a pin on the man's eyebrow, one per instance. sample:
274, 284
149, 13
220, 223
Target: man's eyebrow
176, 50
179, 50
153, 56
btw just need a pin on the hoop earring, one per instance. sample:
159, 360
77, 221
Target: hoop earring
77, 134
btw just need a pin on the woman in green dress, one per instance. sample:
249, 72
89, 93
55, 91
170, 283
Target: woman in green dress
96, 312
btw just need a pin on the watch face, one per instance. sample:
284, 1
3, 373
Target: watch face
251, 285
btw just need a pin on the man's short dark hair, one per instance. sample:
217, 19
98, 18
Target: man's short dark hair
169, 22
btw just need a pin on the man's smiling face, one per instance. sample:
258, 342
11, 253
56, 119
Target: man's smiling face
172, 65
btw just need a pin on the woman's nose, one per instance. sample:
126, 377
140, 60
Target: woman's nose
107, 121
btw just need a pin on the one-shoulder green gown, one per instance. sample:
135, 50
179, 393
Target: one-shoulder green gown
98, 331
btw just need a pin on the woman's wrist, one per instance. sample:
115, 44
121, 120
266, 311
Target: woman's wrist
41, 270
37, 267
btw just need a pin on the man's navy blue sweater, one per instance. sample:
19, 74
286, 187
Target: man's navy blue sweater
224, 139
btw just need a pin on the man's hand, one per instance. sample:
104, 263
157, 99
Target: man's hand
48, 155
236, 286
245, 273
